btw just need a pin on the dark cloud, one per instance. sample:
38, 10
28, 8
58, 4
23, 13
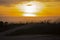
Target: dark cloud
8, 2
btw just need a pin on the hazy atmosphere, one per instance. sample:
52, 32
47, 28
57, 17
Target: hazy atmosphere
11, 11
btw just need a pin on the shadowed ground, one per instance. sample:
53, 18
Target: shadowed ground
30, 37
32, 32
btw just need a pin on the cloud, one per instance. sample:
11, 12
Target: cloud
8, 2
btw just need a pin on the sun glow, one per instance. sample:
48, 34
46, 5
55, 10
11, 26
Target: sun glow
29, 14
30, 8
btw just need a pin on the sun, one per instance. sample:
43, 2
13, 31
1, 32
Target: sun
29, 15
30, 8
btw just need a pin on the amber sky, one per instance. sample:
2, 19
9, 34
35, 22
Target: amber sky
9, 11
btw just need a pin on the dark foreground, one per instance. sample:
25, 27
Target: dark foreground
36, 31
31, 37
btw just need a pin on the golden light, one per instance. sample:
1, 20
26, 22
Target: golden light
27, 14
30, 8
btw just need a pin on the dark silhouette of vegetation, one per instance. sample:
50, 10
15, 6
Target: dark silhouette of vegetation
1, 26
36, 28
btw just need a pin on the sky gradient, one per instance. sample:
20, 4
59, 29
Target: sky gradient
8, 10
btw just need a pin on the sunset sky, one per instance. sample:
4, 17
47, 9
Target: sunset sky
10, 10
